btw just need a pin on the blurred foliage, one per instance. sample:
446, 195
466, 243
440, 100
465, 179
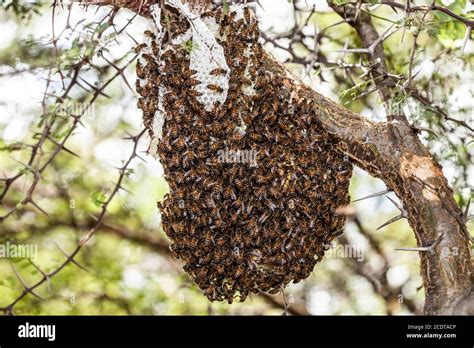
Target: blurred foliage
22, 9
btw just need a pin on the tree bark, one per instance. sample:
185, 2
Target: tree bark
393, 152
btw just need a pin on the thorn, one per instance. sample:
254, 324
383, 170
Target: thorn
381, 193
27, 288
429, 249
46, 276
394, 9
465, 215
399, 207
95, 88
392, 220
30, 168
141, 158
403, 214
62, 147
36, 206
71, 258
131, 37
466, 38
77, 119
120, 187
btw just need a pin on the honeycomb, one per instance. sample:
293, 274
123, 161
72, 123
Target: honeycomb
240, 226
206, 55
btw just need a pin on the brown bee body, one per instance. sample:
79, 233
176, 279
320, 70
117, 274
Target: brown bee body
194, 93
218, 72
173, 130
193, 82
247, 14
139, 48
150, 34
215, 88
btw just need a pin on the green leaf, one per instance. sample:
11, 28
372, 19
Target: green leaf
98, 198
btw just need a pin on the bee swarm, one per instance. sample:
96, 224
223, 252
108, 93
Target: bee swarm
240, 227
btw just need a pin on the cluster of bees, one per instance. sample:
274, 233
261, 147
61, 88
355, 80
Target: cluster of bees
242, 228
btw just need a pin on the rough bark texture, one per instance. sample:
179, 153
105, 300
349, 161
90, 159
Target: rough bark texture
392, 152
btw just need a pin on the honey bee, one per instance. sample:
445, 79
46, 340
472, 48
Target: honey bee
218, 72
215, 88
163, 147
142, 91
193, 82
214, 146
247, 14
149, 34
275, 192
260, 83
217, 187
139, 47
173, 130
195, 194
175, 160
216, 127
239, 184
220, 242
208, 14
261, 179
175, 80
255, 136
179, 227
260, 192
179, 176
140, 70
238, 272
141, 103
229, 193
247, 240
234, 217
284, 124
193, 243
155, 48
149, 59
194, 93
252, 228
220, 269
222, 29
208, 240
